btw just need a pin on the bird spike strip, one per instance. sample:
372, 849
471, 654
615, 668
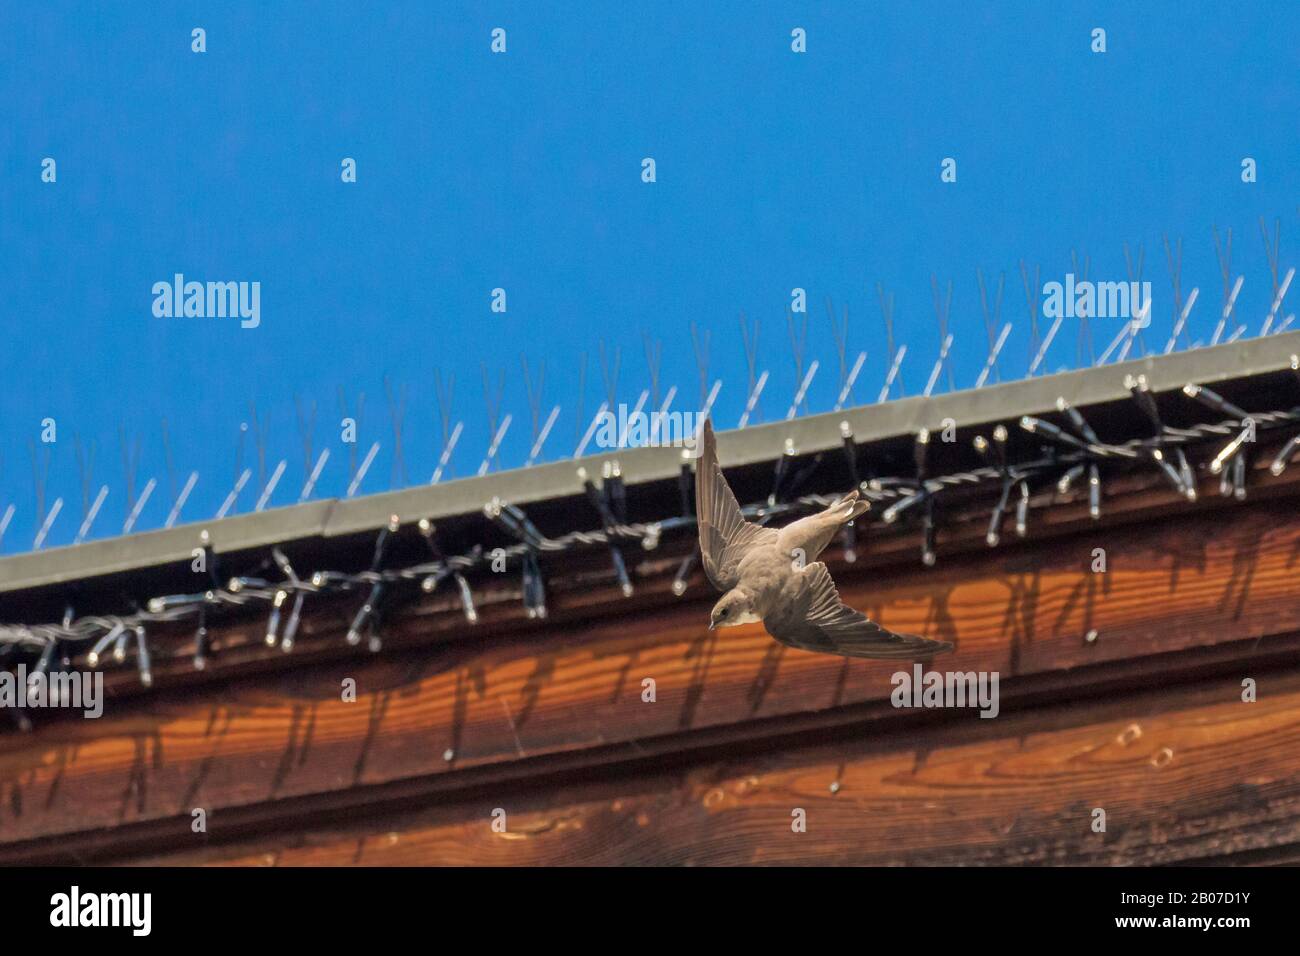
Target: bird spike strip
1069, 452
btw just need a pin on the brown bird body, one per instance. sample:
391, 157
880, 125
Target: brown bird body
774, 576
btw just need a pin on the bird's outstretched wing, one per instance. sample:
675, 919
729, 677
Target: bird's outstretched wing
817, 620
725, 535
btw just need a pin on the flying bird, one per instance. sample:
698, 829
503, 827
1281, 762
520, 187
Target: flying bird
774, 576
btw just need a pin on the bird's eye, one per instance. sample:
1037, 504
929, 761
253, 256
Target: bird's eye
723, 613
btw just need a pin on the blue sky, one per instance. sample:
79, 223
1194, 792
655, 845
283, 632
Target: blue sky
775, 170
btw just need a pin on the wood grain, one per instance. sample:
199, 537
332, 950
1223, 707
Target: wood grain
573, 686
1186, 776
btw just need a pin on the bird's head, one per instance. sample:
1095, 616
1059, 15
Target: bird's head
734, 608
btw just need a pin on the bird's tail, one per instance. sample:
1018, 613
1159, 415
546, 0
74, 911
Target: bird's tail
812, 534
849, 507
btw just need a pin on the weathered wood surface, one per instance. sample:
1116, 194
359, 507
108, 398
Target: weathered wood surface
1183, 776
1194, 595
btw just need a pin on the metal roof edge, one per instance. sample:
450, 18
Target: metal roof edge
334, 517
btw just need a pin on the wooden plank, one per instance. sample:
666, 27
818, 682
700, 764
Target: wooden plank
1182, 776
574, 686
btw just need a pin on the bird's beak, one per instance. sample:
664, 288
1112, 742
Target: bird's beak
713, 626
